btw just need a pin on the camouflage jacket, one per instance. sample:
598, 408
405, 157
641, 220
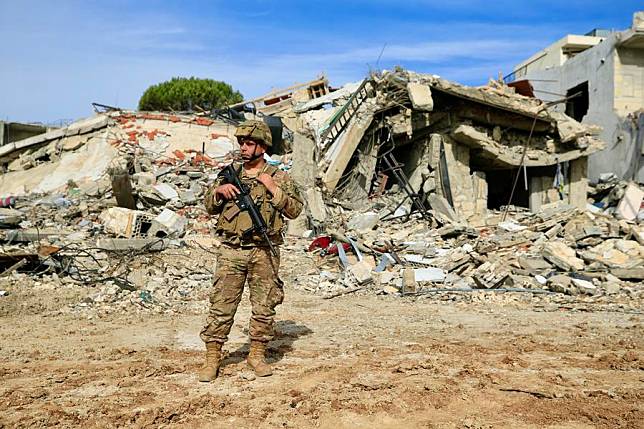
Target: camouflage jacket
232, 222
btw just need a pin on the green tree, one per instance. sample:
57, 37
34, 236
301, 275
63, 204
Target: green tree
184, 94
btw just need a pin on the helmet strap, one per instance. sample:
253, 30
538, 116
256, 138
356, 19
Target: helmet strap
255, 154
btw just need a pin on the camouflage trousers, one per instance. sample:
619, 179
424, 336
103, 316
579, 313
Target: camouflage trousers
235, 267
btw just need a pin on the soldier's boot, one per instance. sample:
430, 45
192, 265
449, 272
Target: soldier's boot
210, 368
256, 359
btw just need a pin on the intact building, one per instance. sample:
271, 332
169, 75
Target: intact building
603, 74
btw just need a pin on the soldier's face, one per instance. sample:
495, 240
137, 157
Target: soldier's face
250, 148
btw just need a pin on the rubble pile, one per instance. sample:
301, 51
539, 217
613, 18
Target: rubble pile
132, 226
561, 250
156, 259
414, 186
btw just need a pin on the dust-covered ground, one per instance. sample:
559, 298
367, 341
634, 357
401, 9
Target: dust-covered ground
352, 361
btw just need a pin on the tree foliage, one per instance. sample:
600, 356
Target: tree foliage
184, 94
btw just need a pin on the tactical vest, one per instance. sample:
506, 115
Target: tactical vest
233, 222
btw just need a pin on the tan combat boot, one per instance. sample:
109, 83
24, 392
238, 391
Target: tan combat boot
210, 368
256, 359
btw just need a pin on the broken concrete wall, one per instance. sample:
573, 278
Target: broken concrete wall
15, 131
340, 153
86, 164
419, 162
356, 184
304, 173
542, 192
304, 169
458, 169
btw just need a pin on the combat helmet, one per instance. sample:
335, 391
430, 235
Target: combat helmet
256, 130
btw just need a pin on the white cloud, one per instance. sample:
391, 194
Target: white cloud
63, 58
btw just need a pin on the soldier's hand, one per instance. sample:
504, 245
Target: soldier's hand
267, 180
227, 191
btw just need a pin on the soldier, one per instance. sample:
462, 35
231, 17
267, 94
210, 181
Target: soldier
247, 257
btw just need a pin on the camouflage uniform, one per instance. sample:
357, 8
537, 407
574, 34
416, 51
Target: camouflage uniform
247, 257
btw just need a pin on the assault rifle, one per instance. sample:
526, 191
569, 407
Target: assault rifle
245, 203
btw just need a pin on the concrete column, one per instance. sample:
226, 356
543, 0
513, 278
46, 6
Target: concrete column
536, 193
458, 168
479, 186
578, 187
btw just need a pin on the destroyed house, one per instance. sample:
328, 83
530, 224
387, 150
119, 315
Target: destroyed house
453, 144
602, 75
83, 152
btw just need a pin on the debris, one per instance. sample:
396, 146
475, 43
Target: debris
122, 186
120, 244
361, 272
562, 284
167, 223
429, 275
511, 226
629, 273
342, 293
490, 275
407, 182
7, 202
440, 205
27, 235
166, 191
409, 284
125, 223
631, 203
584, 286
534, 265
420, 96
10, 217
539, 395
13, 267
562, 256
615, 253
390, 290
363, 221
611, 288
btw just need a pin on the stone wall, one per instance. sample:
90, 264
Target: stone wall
468, 191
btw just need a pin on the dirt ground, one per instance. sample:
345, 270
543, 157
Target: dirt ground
353, 361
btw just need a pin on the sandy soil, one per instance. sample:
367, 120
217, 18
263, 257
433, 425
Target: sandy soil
353, 361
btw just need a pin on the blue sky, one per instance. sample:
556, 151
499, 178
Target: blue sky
59, 56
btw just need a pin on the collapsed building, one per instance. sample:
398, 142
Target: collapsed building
602, 73
407, 179
458, 150
83, 151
